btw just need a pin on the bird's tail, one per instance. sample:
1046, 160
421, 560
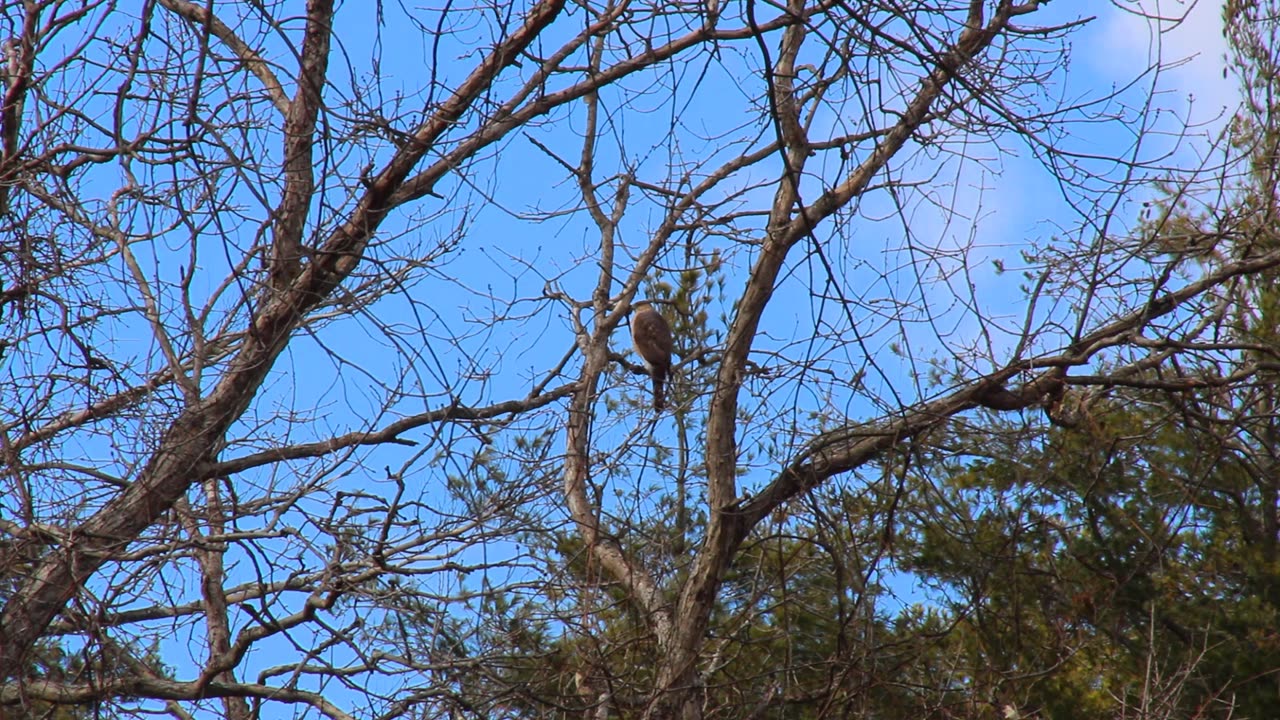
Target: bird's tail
658, 399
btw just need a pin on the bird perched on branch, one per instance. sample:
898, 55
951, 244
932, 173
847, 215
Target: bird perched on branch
652, 337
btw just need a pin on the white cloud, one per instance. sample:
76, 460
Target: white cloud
1185, 37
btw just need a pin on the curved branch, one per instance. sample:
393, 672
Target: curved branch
160, 689
848, 448
251, 59
389, 434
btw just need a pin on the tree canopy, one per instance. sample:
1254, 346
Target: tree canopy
317, 395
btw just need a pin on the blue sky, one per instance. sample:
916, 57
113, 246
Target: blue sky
999, 204
1010, 196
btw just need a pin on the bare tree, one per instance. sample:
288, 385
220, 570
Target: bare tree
312, 360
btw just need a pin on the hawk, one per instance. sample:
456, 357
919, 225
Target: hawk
652, 337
